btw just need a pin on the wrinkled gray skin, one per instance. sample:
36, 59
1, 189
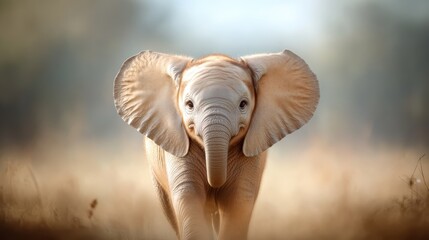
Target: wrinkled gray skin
208, 123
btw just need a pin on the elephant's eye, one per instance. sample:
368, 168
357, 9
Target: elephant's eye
243, 104
189, 105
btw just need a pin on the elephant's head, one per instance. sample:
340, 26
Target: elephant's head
216, 101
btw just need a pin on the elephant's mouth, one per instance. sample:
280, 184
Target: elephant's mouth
235, 139
239, 136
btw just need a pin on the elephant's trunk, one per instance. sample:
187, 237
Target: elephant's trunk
216, 139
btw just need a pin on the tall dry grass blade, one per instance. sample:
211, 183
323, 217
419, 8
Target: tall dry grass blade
417, 165
421, 171
39, 194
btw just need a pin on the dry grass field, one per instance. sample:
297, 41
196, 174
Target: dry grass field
79, 190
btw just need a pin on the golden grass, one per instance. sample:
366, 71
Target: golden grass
88, 191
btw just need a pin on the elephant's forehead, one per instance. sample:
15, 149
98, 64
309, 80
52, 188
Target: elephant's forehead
216, 72
216, 79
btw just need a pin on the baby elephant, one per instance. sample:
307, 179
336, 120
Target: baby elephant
208, 124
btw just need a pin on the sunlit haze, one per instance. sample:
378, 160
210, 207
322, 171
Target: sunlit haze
347, 174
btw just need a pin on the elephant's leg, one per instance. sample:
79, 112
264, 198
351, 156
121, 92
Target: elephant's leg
212, 220
166, 205
215, 221
235, 217
237, 199
190, 215
188, 197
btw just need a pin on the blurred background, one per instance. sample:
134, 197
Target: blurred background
62, 145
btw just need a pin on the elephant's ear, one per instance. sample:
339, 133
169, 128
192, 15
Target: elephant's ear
287, 93
145, 92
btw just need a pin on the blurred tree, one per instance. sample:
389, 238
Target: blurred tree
58, 59
382, 70
54, 55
